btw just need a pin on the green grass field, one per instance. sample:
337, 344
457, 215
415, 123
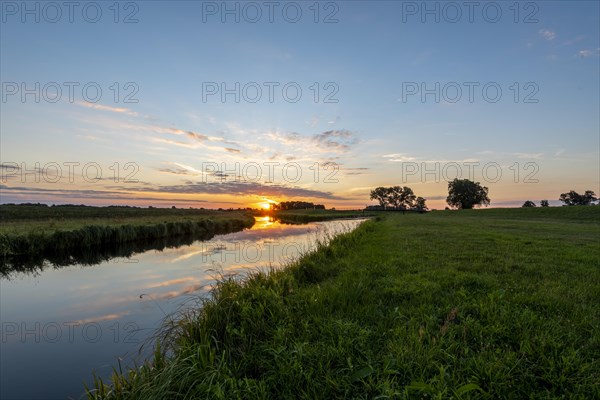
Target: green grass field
78, 234
481, 304
23, 220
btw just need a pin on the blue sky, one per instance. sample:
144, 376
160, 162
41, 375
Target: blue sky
366, 61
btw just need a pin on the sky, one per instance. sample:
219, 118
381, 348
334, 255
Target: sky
236, 104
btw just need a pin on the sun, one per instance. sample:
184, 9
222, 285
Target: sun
267, 204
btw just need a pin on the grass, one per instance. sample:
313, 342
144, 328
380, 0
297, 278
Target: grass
472, 304
304, 216
25, 219
87, 235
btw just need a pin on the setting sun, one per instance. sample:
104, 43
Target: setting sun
267, 204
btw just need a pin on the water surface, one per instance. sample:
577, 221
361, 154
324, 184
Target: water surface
62, 323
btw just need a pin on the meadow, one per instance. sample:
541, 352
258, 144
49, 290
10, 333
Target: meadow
65, 235
472, 304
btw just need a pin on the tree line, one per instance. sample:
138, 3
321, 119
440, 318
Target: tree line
571, 198
297, 205
463, 194
398, 198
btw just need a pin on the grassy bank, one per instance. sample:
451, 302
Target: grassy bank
304, 216
76, 234
469, 304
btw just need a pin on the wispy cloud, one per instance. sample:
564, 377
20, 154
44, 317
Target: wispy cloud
399, 157
119, 110
81, 194
531, 156
587, 53
547, 34
337, 141
234, 188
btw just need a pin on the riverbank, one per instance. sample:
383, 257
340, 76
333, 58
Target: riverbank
469, 304
78, 234
305, 216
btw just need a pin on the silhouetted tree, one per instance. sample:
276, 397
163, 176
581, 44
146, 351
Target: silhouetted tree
380, 194
544, 203
528, 204
573, 198
398, 198
464, 194
401, 197
420, 204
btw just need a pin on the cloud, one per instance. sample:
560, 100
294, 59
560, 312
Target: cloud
181, 169
196, 136
314, 121
399, 157
178, 171
355, 171
572, 41
338, 141
335, 120
86, 194
587, 53
547, 34
120, 110
236, 188
533, 156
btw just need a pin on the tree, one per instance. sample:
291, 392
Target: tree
420, 204
401, 197
464, 194
528, 204
394, 195
544, 203
380, 194
398, 197
407, 197
573, 198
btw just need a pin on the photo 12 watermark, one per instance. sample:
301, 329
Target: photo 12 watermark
453, 12
271, 92
263, 253
70, 171
53, 12
69, 332
490, 172
252, 12
269, 171
471, 91
52, 92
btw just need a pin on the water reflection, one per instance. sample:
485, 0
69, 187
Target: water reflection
79, 320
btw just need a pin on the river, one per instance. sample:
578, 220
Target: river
64, 323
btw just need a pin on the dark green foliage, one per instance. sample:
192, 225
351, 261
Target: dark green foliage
397, 197
464, 194
573, 198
